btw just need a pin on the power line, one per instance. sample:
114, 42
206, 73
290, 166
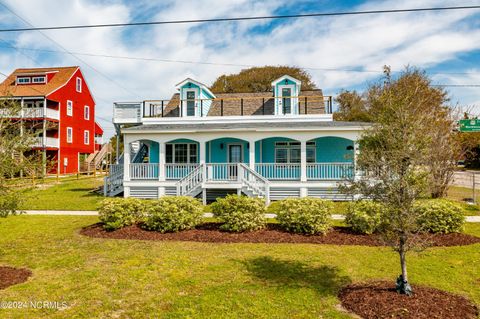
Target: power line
68, 52
273, 17
215, 63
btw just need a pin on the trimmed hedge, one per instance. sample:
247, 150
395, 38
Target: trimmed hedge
240, 213
439, 216
116, 213
305, 215
172, 214
364, 216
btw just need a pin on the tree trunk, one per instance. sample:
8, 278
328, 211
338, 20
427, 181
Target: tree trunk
403, 287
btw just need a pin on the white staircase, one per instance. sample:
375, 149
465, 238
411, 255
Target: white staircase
95, 160
252, 183
113, 183
191, 185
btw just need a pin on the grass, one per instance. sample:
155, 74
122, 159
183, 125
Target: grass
104, 278
459, 194
68, 194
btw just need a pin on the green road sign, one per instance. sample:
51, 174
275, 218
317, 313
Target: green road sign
469, 125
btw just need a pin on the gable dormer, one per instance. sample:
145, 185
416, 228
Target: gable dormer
286, 90
195, 98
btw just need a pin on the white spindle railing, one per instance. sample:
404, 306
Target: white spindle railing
255, 182
276, 171
329, 171
222, 171
191, 181
179, 171
114, 180
31, 112
40, 141
144, 170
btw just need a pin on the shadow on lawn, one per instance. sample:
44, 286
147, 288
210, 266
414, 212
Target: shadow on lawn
326, 280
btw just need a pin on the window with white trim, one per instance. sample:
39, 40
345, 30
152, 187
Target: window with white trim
181, 153
69, 108
23, 79
86, 112
290, 152
86, 137
38, 79
69, 135
79, 85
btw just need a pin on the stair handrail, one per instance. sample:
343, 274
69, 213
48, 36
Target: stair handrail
191, 181
113, 180
259, 183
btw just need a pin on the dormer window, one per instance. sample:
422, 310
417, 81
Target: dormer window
23, 80
38, 79
195, 98
286, 91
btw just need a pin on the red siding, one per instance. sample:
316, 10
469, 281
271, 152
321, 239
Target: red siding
77, 122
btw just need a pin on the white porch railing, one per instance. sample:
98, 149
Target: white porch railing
190, 182
32, 112
179, 171
254, 183
329, 171
276, 171
144, 170
222, 171
46, 142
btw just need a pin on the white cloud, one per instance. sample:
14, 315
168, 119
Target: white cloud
365, 42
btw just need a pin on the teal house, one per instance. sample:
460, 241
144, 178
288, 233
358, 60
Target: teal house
276, 144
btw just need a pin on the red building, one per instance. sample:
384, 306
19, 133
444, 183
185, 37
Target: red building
58, 104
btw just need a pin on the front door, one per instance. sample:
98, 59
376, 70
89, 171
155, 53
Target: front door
234, 157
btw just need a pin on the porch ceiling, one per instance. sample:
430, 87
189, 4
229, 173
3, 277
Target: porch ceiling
260, 126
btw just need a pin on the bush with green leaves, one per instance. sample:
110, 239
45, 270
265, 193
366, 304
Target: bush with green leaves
439, 216
116, 213
173, 214
364, 216
305, 215
240, 213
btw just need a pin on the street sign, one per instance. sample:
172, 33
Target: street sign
469, 125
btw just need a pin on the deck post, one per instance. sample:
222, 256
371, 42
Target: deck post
251, 156
161, 161
126, 159
303, 161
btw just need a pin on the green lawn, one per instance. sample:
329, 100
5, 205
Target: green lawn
68, 194
459, 194
103, 278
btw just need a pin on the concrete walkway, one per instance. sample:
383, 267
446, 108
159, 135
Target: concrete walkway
470, 219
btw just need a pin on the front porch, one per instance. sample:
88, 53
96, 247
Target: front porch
285, 165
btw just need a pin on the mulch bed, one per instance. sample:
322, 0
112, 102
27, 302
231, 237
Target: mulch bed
10, 276
210, 233
380, 300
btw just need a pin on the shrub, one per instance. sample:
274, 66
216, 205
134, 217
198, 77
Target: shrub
364, 216
172, 214
240, 213
116, 213
305, 215
439, 216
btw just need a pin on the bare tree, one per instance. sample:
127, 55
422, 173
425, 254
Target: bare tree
16, 156
396, 154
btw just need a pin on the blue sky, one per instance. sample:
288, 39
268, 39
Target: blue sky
445, 44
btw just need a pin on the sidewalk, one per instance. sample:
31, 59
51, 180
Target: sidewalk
469, 219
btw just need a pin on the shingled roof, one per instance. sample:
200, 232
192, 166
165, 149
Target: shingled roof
62, 75
260, 103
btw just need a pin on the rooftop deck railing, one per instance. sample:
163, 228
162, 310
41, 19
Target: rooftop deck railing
231, 106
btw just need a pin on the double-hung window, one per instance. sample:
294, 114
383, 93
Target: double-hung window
79, 85
181, 153
69, 135
190, 103
86, 112
69, 108
290, 152
86, 137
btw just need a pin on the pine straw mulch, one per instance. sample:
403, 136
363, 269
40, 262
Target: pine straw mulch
10, 276
377, 300
210, 233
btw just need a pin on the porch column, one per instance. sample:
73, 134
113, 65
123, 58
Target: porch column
356, 151
251, 164
126, 159
203, 155
303, 161
161, 161
203, 151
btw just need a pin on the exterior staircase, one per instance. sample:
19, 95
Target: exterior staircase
113, 183
95, 160
252, 183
